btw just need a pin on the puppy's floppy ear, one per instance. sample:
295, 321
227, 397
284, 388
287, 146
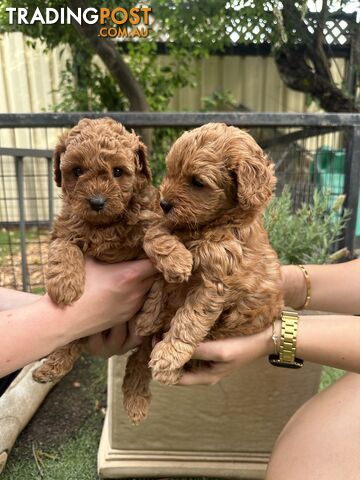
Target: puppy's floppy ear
142, 161
254, 176
59, 150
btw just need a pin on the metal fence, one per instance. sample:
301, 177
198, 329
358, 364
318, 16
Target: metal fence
309, 150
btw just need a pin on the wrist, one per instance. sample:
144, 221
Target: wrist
294, 286
268, 346
59, 325
285, 355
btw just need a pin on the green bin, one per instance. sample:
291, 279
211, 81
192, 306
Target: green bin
329, 166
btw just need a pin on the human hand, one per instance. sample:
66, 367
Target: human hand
113, 294
115, 341
226, 356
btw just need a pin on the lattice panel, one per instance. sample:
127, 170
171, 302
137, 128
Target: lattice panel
337, 29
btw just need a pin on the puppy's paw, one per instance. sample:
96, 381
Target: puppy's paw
58, 363
137, 407
177, 266
166, 362
64, 291
47, 373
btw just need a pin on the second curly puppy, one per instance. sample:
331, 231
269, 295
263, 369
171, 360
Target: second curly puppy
217, 185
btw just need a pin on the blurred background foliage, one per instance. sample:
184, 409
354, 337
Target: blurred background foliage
307, 235
190, 30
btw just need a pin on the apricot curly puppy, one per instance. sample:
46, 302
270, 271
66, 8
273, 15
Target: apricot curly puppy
217, 185
108, 202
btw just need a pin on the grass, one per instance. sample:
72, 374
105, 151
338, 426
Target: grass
75, 460
10, 240
39, 456
329, 375
38, 290
11, 260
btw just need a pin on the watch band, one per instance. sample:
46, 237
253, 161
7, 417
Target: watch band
287, 349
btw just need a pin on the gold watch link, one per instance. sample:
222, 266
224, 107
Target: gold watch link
287, 350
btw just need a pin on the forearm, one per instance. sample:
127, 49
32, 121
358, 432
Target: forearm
112, 296
334, 288
332, 340
30, 332
13, 299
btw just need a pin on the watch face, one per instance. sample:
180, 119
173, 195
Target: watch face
275, 360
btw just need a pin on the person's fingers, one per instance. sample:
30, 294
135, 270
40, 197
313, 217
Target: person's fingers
143, 269
225, 350
147, 283
207, 375
95, 344
213, 350
200, 377
116, 339
132, 340
108, 343
130, 344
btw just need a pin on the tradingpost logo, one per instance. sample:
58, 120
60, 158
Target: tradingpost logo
117, 22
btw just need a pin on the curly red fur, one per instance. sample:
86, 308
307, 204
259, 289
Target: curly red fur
84, 163
218, 183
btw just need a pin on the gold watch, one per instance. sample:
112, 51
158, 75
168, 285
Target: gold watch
286, 357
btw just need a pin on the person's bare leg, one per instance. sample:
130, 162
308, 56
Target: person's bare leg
321, 441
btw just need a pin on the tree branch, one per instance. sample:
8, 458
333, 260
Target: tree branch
318, 55
108, 53
295, 69
314, 43
298, 75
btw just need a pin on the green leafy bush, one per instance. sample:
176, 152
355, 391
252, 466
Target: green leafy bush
309, 234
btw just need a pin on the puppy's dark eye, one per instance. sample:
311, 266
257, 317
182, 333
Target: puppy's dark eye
196, 182
117, 171
77, 171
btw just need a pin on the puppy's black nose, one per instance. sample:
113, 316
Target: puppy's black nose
97, 203
166, 206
